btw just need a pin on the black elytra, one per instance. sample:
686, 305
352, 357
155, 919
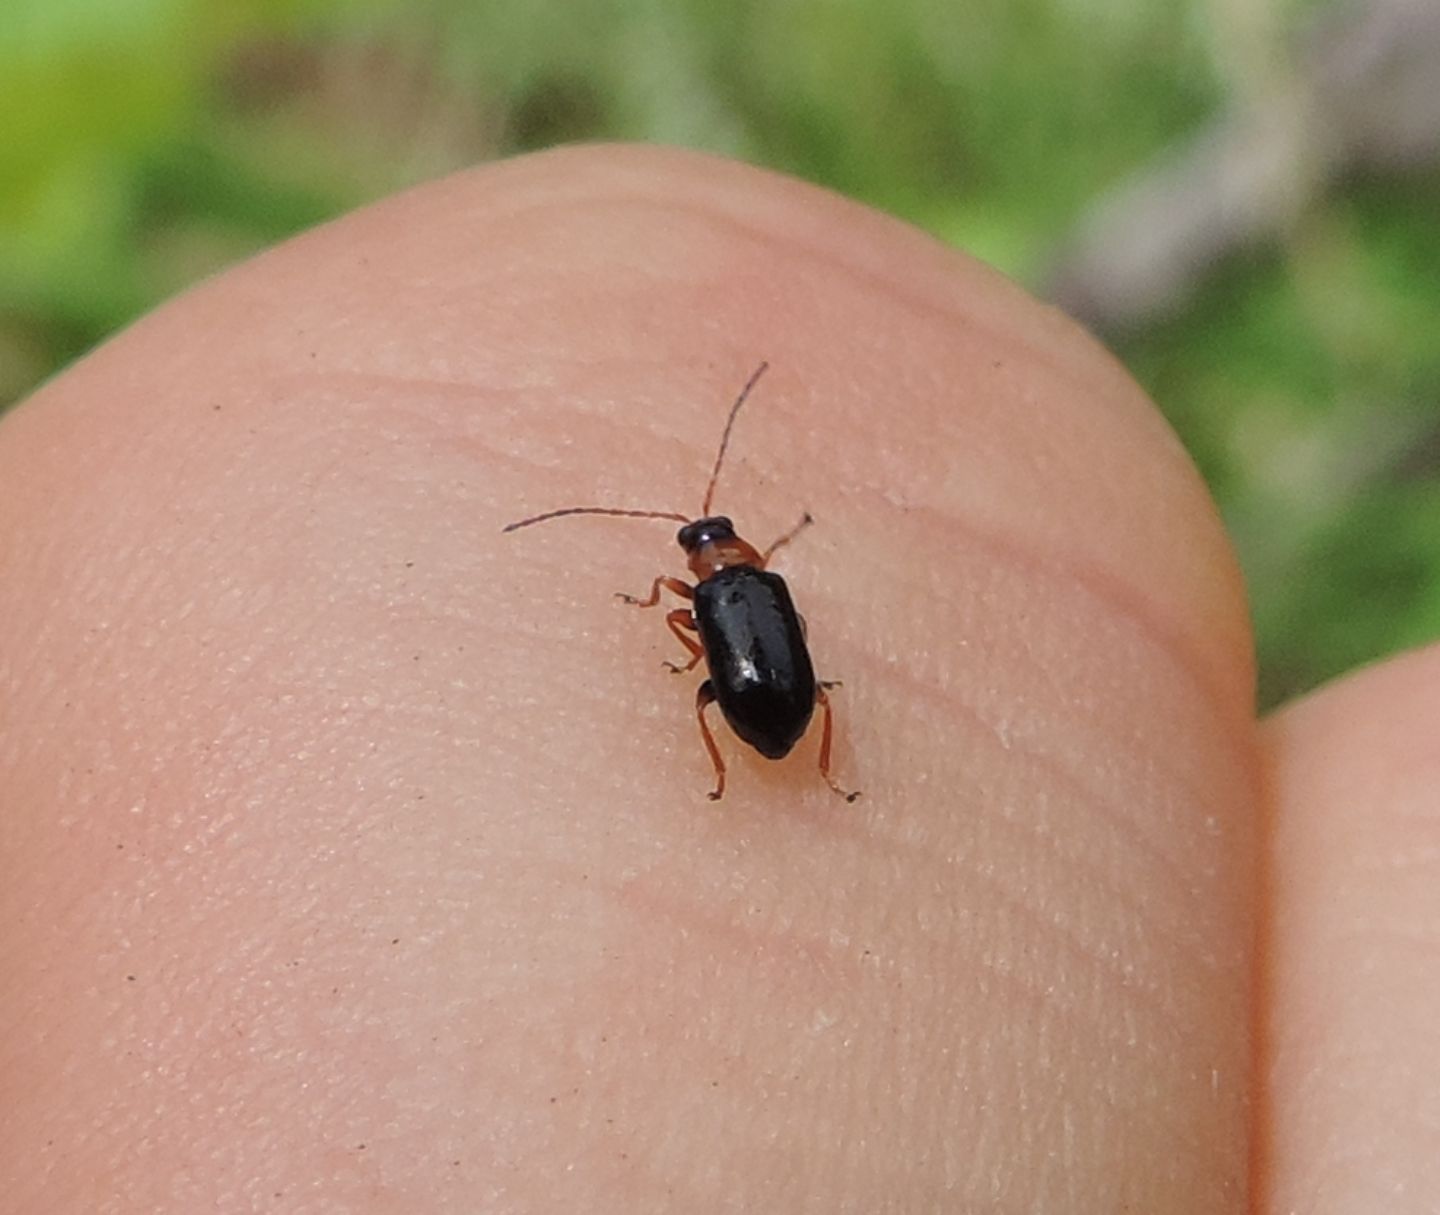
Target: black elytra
742, 622
760, 669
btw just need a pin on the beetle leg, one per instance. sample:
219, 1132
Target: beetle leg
703, 699
683, 589
825, 732
805, 522
681, 618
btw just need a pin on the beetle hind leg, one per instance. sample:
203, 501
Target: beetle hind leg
703, 699
827, 729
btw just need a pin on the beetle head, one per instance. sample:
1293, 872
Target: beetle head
715, 530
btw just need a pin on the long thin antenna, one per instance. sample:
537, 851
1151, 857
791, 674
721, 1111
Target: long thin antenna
595, 510
725, 437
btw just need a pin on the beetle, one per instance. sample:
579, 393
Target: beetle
742, 622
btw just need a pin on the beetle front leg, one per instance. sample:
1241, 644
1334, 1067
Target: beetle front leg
683, 589
805, 522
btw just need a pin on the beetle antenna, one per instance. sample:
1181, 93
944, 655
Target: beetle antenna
595, 510
725, 437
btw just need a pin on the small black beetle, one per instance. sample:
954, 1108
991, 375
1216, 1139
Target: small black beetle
743, 623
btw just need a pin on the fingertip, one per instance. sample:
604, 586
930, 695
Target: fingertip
270, 514
1353, 866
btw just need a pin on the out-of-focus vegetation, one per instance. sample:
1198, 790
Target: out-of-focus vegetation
146, 143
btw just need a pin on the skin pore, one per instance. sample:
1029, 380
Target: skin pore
358, 854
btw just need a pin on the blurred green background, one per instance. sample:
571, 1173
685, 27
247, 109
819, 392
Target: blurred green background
1294, 341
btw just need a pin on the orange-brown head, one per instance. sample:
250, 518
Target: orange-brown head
711, 545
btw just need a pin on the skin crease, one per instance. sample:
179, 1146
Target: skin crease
357, 854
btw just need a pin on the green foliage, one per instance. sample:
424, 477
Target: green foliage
145, 143
1305, 381
98, 99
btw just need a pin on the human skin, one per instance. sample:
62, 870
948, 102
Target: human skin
1352, 988
356, 856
